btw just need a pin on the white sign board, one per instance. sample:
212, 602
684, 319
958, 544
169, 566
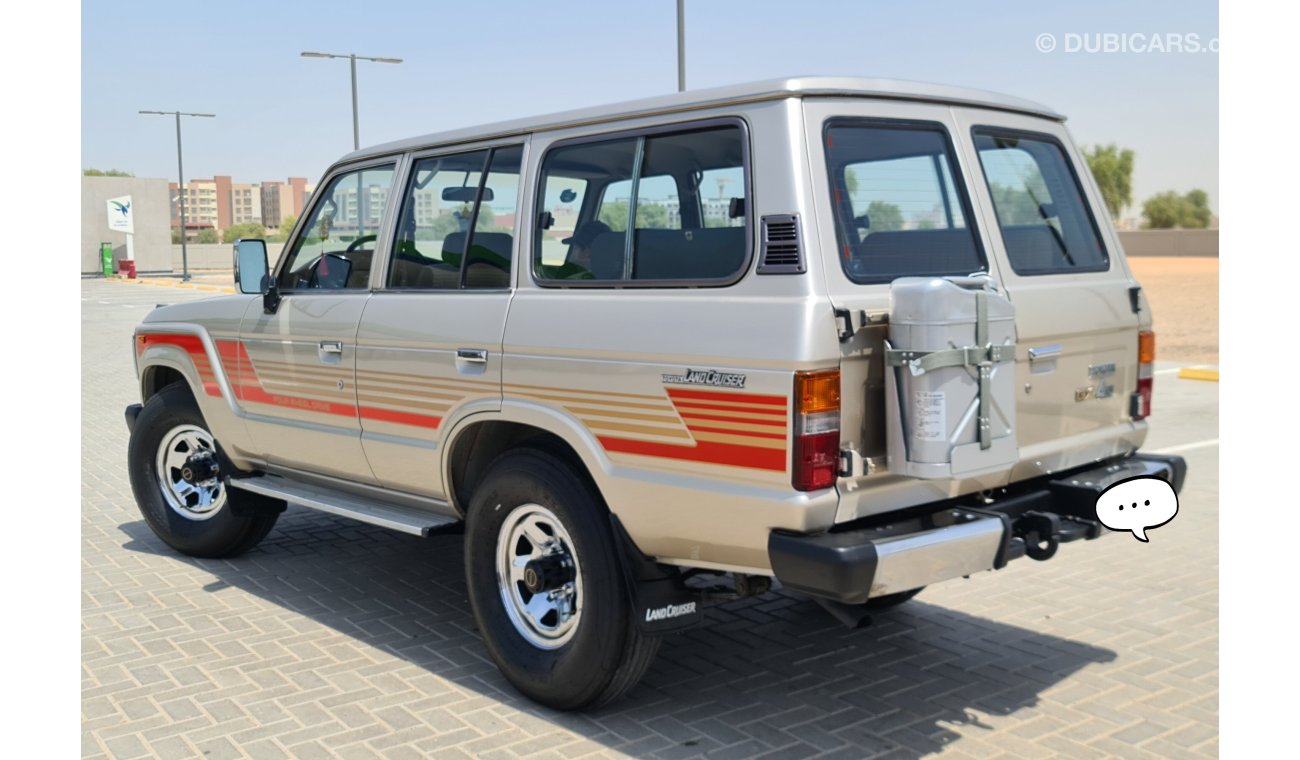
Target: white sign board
120, 218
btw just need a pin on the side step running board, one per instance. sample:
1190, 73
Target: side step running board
406, 519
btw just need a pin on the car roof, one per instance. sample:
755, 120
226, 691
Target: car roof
771, 89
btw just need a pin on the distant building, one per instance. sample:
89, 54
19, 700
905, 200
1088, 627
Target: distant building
218, 203
281, 199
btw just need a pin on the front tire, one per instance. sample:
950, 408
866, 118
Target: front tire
178, 475
546, 585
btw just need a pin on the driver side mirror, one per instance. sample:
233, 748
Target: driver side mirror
252, 273
250, 265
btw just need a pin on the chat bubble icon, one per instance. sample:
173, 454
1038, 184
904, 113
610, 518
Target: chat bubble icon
1137, 505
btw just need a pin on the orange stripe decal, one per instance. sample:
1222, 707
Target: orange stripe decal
748, 398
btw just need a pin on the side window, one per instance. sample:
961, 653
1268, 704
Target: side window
434, 226
1044, 218
657, 184
336, 246
898, 211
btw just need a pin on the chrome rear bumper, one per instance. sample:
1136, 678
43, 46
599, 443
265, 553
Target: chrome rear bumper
939, 542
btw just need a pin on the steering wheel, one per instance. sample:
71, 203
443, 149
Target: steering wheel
356, 244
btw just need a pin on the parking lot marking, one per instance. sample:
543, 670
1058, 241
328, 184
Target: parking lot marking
1208, 442
1194, 373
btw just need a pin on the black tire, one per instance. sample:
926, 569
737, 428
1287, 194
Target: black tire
237, 522
605, 654
891, 600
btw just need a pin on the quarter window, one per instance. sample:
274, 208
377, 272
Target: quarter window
1042, 213
642, 217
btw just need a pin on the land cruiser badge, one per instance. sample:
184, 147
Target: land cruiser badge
707, 377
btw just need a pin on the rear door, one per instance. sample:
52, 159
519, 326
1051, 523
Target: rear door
429, 343
1076, 317
891, 193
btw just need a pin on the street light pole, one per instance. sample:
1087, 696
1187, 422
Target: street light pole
180, 182
681, 45
352, 59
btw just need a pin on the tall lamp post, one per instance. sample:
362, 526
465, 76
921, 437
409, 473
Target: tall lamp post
681, 45
353, 57
180, 181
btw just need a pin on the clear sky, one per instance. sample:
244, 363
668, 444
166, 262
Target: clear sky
279, 114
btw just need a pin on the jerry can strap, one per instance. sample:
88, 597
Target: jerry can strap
981, 356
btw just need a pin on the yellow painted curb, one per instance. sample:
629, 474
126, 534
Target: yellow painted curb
1191, 373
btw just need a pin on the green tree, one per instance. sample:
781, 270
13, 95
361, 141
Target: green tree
851, 182
246, 231
103, 173
1113, 170
207, 236
176, 234
648, 216
1169, 210
1015, 206
884, 217
615, 215
281, 233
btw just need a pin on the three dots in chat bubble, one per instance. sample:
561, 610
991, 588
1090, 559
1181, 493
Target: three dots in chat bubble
1137, 505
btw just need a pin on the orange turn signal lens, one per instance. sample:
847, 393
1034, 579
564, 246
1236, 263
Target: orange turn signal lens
817, 391
1146, 347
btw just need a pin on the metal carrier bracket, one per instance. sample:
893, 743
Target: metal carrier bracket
982, 356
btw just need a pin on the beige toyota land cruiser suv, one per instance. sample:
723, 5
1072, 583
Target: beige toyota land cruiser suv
857, 336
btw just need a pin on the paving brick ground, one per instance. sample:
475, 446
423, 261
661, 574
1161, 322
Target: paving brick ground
335, 639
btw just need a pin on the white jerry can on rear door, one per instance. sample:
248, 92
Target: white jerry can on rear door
950, 378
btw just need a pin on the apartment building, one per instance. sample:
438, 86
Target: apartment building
282, 199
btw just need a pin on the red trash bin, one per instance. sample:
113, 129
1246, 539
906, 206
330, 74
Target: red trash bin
126, 268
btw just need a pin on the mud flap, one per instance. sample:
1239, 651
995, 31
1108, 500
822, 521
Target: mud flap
661, 603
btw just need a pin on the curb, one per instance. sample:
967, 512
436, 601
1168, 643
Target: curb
1193, 373
170, 284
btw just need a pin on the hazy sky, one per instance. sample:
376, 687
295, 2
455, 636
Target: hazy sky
468, 63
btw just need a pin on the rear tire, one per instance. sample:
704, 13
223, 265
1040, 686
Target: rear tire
571, 643
177, 473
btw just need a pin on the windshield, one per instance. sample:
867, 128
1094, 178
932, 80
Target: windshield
898, 210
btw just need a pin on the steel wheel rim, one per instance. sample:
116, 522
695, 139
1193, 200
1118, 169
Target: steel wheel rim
546, 619
193, 501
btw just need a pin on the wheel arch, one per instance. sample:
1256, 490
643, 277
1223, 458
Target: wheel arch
478, 440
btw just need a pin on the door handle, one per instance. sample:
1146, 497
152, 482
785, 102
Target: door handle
475, 355
1045, 352
331, 346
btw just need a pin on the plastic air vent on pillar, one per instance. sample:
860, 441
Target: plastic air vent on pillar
782, 246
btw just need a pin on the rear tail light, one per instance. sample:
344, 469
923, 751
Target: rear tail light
1141, 407
816, 429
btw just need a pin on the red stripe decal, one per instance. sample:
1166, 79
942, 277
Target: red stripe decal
702, 451
400, 418
193, 346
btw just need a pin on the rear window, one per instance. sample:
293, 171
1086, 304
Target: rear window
898, 210
664, 207
1044, 218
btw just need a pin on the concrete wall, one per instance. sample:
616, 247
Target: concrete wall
151, 208
216, 255
1170, 242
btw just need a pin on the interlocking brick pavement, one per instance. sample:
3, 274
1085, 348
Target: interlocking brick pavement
340, 640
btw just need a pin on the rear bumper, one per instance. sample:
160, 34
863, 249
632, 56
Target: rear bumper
939, 542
